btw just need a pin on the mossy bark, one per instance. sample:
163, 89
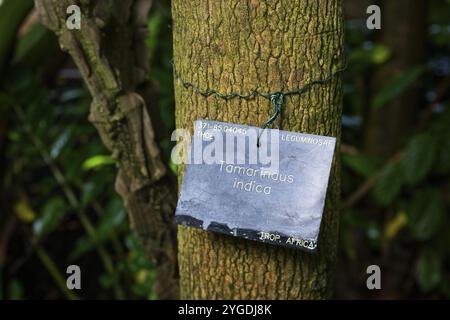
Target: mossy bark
269, 46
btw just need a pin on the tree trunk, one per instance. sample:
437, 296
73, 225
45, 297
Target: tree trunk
111, 54
237, 46
403, 30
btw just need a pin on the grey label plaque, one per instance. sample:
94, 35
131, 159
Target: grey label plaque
273, 193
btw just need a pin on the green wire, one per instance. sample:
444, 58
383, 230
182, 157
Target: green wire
276, 98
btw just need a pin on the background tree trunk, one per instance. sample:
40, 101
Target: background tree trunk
111, 54
237, 46
403, 30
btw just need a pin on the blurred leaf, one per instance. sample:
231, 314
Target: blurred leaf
173, 167
374, 233
395, 225
98, 161
140, 267
12, 14
419, 157
362, 164
389, 184
24, 212
442, 165
6, 100
154, 26
429, 270
72, 162
83, 245
380, 54
396, 86
352, 121
141, 276
108, 280
13, 136
99, 182
377, 54
113, 217
15, 290
36, 47
445, 287
51, 216
60, 143
89, 191
426, 213
349, 222
72, 94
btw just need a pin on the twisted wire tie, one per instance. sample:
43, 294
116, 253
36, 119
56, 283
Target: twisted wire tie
276, 98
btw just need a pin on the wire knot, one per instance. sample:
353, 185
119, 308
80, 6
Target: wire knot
277, 100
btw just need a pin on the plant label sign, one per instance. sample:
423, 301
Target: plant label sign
264, 185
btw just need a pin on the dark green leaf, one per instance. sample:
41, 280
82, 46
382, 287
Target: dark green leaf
82, 246
51, 216
419, 157
442, 165
429, 270
89, 191
362, 164
6, 101
378, 54
389, 184
426, 213
396, 86
15, 290
113, 217
60, 143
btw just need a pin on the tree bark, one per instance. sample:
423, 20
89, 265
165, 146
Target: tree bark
111, 55
237, 46
403, 30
